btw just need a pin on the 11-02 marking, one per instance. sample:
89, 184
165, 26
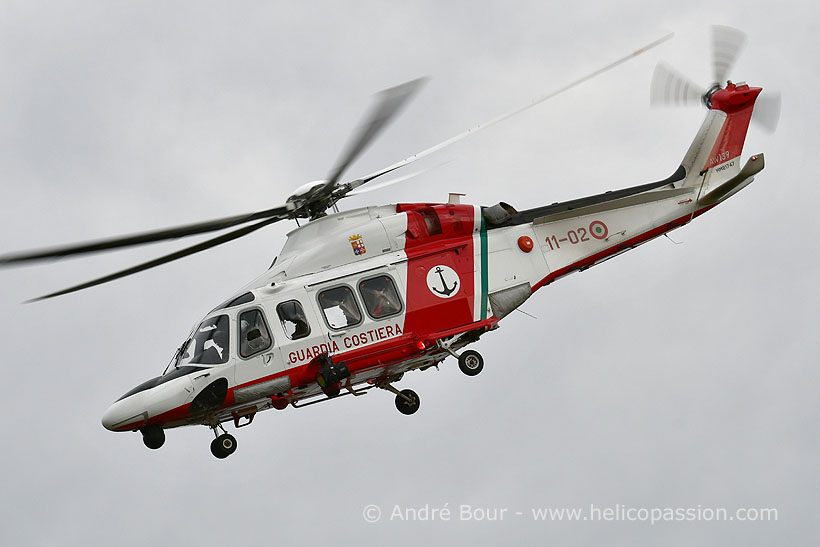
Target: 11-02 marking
597, 229
573, 237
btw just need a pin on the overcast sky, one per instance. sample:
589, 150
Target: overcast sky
675, 376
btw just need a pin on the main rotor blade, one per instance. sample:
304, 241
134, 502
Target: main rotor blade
142, 238
473, 130
388, 103
726, 45
224, 238
670, 87
396, 180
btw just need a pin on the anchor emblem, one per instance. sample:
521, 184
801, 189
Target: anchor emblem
437, 281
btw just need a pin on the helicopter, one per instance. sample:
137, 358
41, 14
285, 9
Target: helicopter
357, 298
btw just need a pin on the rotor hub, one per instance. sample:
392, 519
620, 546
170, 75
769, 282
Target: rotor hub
706, 98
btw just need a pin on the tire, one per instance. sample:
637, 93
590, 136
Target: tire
471, 362
223, 446
153, 436
406, 407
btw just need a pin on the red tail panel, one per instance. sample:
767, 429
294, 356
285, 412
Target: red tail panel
737, 102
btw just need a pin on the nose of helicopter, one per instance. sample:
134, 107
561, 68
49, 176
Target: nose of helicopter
125, 414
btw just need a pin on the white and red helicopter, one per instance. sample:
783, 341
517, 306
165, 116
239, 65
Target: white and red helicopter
358, 298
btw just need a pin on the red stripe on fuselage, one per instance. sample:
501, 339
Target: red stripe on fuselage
377, 355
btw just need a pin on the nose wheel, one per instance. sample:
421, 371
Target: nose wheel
153, 436
223, 445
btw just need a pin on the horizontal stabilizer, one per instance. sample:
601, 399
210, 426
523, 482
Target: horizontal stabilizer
753, 166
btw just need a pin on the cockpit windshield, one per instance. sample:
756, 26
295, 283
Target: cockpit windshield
208, 345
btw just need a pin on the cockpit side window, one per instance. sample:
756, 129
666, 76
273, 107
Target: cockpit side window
254, 336
210, 343
340, 308
380, 296
294, 321
241, 299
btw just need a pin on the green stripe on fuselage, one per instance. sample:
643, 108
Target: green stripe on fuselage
483, 236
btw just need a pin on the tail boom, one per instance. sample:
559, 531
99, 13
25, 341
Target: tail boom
576, 235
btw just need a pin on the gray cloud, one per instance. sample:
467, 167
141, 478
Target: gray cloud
677, 375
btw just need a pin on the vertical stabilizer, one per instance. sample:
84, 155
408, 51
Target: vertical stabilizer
714, 156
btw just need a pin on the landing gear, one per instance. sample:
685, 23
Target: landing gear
153, 436
470, 362
407, 401
223, 446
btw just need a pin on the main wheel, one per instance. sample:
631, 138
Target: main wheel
470, 362
153, 436
223, 446
405, 406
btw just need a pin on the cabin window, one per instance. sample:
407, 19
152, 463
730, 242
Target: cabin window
340, 308
380, 296
294, 321
254, 336
210, 343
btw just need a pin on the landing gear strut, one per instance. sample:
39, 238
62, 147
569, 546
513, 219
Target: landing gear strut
223, 445
470, 361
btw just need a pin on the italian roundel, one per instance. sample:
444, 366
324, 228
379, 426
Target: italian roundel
598, 229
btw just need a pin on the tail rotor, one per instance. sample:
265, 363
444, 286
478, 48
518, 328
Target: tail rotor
727, 43
670, 88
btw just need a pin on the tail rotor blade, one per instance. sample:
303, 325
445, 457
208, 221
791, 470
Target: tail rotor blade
767, 111
670, 87
727, 42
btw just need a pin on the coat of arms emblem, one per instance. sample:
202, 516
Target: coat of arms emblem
357, 243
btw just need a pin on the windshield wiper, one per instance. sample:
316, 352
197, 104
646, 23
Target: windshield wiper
177, 356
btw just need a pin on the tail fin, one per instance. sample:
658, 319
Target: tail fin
714, 156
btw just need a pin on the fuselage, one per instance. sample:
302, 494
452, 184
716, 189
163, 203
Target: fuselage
360, 297
448, 271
